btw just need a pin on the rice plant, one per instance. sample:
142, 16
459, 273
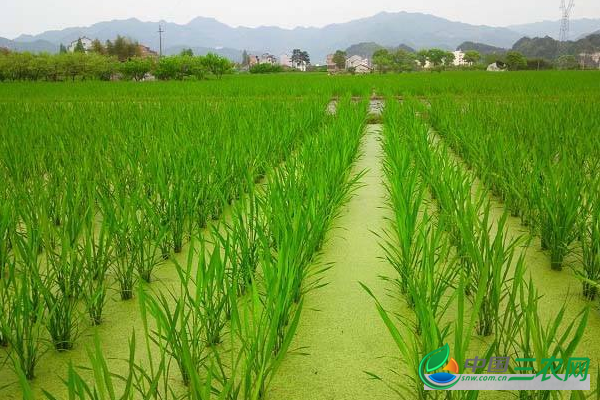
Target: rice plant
590, 246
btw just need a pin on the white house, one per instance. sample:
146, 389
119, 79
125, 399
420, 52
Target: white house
300, 65
355, 60
459, 58
268, 59
285, 61
85, 41
495, 68
363, 68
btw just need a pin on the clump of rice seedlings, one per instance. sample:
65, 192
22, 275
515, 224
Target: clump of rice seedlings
98, 257
590, 246
179, 323
145, 238
559, 213
557, 338
23, 326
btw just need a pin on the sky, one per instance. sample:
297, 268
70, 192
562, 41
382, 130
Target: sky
36, 16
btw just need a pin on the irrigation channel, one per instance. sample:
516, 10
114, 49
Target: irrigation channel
340, 331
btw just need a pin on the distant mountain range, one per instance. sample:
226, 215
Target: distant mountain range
541, 47
414, 30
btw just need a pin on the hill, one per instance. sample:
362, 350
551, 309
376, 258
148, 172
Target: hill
482, 48
548, 48
367, 49
35, 46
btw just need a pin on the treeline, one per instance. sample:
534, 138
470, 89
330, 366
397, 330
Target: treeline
438, 60
97, 66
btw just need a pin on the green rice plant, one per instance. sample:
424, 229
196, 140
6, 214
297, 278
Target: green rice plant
23, 330
97, 253
559, 214
590, 246
179, 326
557, 339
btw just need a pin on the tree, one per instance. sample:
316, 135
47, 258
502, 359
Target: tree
300, 57
449, 58
98, 47
217, 65
403, 61
422, 57
436, 57
245, 58
567, 62
472, 57
339, 59
382, 59
79, 47
187, 52
515, 61
63, 49
136, 68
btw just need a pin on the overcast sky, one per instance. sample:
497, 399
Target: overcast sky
35, 16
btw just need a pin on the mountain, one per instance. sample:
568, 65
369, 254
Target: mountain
481, 48
366, 49
548, 48
35, 46
578, 28
387, 29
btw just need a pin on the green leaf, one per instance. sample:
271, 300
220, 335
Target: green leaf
438, 358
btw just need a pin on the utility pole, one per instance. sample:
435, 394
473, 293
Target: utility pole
160, 32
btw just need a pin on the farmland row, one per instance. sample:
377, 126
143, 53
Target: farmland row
459, 269
23, 282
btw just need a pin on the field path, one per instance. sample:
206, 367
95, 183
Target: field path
340, 327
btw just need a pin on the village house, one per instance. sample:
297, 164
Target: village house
459, 59
267, 58
85, 41
146, 52
589, 61
359, 65
332, 67
253, 60
285, 61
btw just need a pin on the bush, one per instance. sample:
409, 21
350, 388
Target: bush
265, 69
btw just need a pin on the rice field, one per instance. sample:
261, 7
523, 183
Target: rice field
295, 236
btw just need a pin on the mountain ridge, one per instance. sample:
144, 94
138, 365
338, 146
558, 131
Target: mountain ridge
416, 30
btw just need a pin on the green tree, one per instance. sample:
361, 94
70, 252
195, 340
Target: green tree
449, 58
515, 61
382, 59
79, 47
62, 49
98, 47
403, 61
436, 57
136, 68
472, 57
187, 52
245, 58
567, 62
217, 65
339, 59
422, 57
